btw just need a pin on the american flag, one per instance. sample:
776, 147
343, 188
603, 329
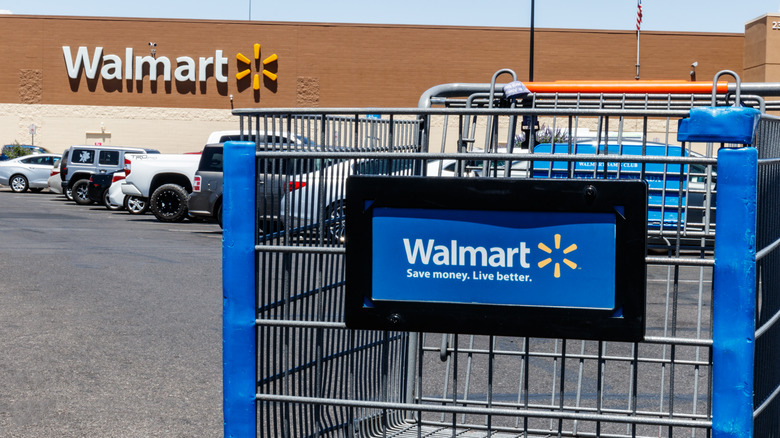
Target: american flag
638, 15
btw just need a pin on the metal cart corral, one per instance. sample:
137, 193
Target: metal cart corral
293, 369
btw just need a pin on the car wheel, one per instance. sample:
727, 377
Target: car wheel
334, 222
219, 215
19, 183
68, 194
135, 205
169, 203
80, 192
107, 202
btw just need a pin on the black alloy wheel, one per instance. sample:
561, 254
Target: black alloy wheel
169, 203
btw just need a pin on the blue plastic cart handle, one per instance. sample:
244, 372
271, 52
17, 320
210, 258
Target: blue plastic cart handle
723, 124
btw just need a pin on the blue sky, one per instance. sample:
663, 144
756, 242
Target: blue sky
665, 15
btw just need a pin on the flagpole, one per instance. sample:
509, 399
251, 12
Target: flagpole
637, 55
638, 30
531, 60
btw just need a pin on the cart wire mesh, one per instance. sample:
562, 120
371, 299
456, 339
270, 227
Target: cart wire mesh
317, 378
766, 376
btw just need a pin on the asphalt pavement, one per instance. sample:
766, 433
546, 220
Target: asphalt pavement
110, 324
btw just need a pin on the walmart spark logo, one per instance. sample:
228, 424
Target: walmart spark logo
569, 249
265, 62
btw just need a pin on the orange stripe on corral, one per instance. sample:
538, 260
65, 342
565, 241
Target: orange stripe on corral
650, 87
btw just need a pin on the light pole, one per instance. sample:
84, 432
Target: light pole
529, 125
531, 60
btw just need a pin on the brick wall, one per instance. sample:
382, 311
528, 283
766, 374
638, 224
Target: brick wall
331, 65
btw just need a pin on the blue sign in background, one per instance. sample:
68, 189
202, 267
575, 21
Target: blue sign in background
667, 181
494, 257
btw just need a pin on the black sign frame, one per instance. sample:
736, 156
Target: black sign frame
626, 199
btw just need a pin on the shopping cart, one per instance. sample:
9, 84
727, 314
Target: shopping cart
293, 369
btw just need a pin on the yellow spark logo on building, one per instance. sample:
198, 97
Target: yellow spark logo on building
256, 79
567, 262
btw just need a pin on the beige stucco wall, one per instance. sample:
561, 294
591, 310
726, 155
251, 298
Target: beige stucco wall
172, 130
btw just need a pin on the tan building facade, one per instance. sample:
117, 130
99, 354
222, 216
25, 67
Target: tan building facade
168, 83
762, 54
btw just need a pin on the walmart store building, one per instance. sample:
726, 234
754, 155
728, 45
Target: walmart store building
167, 84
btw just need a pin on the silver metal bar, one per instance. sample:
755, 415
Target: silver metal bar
562, 385
487, 156
455, 374
469, 357
300, 324
678, 261
466, 111
767, 325
533, 413
291, 249
579, 382
685, 342
613, 411
764, 251
766, 402
600, 385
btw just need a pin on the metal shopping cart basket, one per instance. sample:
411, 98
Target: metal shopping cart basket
702, 364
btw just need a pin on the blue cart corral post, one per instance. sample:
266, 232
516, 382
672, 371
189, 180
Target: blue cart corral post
239, 353
323, 339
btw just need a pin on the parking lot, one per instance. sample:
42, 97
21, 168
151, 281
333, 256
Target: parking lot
110, 324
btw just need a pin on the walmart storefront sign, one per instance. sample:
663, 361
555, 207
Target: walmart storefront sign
130, 67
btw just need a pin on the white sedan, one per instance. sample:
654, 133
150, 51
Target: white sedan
117, 199
55, 179
28, 172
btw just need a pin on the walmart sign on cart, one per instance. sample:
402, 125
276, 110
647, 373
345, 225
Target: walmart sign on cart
499, 257
530, 258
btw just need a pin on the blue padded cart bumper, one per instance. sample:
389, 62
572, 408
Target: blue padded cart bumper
722, 124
